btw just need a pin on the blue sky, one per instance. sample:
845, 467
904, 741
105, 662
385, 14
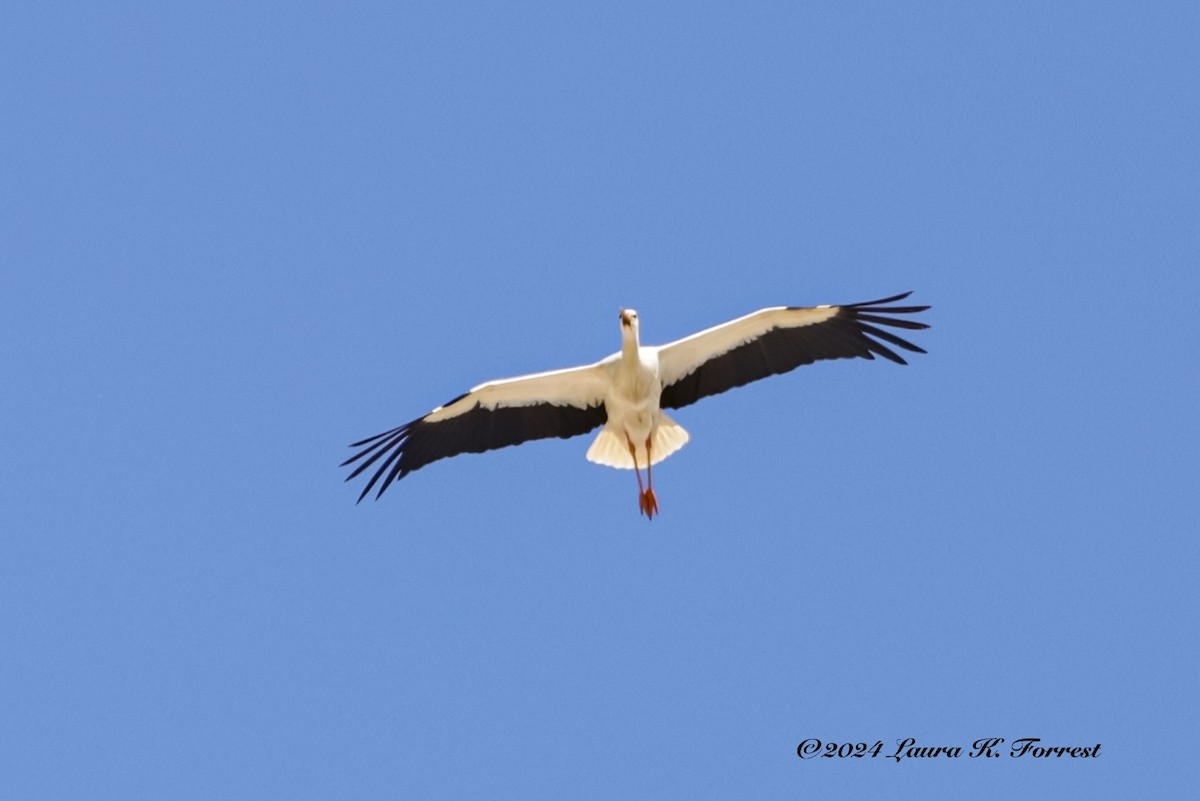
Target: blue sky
235, 239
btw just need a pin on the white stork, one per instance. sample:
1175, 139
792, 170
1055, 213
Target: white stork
628, 391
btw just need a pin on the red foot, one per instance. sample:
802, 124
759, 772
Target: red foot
648, 504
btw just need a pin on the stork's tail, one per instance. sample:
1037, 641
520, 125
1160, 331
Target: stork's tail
611, 449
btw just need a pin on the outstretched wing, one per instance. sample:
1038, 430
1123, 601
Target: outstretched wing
560, 403
776, 340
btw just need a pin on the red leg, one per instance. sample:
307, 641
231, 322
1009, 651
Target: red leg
649, 500
638, 473
646, 503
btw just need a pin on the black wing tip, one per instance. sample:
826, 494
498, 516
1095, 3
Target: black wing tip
868, 315
868, 305
389, 444
891, 299
397, 430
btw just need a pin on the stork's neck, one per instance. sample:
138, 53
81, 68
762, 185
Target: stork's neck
629, 347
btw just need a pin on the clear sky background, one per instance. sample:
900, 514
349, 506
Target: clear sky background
236, 237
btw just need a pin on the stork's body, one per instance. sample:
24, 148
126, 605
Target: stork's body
637, 433
627, 392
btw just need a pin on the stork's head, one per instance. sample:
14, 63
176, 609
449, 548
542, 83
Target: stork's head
629, 326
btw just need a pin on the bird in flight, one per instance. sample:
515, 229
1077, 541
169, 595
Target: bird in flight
626, 393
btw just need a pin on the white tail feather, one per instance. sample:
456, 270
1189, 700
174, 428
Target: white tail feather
612, 450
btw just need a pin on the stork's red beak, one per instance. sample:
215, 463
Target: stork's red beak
625, 318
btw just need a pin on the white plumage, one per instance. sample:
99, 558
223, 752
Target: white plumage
627, 391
